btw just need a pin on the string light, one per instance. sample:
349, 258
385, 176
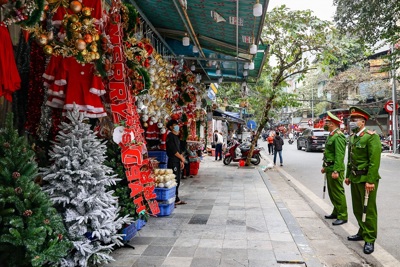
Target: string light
257, 9
185, 40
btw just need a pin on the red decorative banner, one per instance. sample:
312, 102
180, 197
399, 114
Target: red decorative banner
124, 111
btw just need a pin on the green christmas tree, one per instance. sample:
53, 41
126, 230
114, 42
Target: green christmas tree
32, 233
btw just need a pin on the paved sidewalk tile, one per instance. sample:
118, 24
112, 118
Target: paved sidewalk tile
230, 219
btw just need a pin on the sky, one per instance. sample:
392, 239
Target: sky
323, 9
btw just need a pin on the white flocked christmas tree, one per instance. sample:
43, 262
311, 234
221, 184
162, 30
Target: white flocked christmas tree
77, 183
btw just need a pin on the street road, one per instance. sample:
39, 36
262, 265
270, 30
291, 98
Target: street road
306, 168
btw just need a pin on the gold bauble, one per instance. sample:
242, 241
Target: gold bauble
76, 35
80, 44
96, 37
86, 22
145, 125
75, 6
42, 40
73, 17
87, 11
93, 48
48, 50
97, 55
92, 55
84, 52
73, 27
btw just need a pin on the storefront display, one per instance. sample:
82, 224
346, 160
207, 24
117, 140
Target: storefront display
105, 70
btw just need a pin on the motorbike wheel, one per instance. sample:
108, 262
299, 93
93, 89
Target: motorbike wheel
258, 160
227, 160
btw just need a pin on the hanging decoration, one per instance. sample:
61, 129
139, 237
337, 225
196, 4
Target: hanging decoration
23, 12
124, 112
10, 80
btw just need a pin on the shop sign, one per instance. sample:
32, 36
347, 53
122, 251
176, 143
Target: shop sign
211, 94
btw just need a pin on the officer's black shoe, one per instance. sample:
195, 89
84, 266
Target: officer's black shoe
368, 248
355, 237
330, 216
339, 222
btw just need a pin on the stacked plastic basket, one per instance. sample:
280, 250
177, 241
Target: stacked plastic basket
166, 200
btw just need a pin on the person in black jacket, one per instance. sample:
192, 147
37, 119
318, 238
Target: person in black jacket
176, 161
278, 143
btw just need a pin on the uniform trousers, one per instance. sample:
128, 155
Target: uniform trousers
368, 229
337, 195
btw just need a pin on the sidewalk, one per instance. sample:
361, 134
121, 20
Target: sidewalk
232, 219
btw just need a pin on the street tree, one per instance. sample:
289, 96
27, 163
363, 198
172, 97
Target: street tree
371, 21
291, 35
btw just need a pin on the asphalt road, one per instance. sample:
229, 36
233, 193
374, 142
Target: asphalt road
306, 166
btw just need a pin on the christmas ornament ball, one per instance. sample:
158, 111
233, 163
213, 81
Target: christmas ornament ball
93, 48
96, 37
84, 52
86, 22
73, 17
80, 44
42, 39
75, 6
87, 11
48, 50
88, 38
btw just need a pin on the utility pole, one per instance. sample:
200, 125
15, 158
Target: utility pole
394, 99
312, 107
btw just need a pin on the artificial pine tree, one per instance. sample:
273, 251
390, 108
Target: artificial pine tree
77, 183
32, 233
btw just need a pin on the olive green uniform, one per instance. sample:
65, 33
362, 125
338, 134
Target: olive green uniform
363, 165
335, 148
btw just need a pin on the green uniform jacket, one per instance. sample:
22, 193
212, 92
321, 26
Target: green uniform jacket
335, 148
364, 154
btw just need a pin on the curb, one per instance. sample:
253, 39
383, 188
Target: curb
308, 254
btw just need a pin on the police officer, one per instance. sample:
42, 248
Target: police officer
362, 172
333, 167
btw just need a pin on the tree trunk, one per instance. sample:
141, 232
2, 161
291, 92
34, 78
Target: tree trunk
263, 121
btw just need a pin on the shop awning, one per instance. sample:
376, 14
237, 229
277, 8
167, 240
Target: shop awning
222, 32
228, 116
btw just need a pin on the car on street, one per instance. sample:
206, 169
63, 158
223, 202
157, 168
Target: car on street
312, 139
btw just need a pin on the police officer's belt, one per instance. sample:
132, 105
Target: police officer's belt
359, 172
328, 163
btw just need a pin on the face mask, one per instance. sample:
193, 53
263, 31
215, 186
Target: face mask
326, 128
176, 128
353, 126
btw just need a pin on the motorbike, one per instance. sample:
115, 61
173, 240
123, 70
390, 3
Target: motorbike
290, 141
237, 152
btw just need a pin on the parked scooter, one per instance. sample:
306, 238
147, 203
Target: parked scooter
237, 152
290, 141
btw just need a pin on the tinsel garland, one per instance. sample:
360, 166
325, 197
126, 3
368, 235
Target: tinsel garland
35, 91
20, 97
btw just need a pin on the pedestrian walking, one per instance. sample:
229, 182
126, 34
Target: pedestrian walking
218, 140
364, 158
333, 167
176, 161
278, 143
270, 140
